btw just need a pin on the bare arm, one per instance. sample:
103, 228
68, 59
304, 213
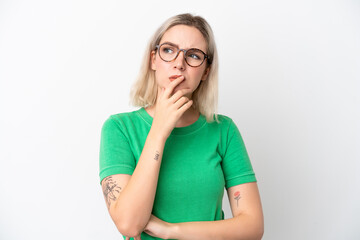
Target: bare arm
130, 204
131, 210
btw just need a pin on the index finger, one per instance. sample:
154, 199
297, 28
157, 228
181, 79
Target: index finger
172, 85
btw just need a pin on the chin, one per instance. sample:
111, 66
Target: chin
178, 88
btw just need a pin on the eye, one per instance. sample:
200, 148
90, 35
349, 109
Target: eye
167, 49
194, 56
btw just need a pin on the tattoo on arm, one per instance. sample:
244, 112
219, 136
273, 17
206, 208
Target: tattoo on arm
157, 155
237, 197
110, 190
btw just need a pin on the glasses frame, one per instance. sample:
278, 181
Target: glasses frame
157, 47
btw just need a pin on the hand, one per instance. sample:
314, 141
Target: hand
158, 228
169, 109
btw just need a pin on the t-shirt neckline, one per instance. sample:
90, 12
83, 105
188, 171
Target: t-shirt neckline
176, 131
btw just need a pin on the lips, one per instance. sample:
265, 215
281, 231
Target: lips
173, 77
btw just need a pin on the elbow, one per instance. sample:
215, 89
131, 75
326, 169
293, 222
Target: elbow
126, 223
255, 234
259, 233
258, 226
128, 230
255, 229
128, 227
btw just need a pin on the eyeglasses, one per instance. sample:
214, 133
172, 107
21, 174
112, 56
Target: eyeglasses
193, 57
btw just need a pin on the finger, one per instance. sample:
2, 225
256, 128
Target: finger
179, 94
185, 107
127, 238
179, 103
172, 85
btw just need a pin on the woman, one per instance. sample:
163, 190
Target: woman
163, 168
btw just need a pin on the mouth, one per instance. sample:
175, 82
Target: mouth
173, 77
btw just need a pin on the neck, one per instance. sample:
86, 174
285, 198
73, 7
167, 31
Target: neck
189, 117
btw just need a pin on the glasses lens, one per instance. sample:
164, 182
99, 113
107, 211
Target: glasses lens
168, 52
194, 57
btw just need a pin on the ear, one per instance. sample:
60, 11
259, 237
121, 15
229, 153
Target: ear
206, 74
152, 59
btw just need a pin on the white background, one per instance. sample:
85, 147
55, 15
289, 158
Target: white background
289, 77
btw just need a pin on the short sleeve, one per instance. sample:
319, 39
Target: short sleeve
115, 155
236, 164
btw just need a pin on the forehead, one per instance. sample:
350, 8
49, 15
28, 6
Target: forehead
185, 37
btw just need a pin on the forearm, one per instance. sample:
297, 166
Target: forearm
135, 203
237, 228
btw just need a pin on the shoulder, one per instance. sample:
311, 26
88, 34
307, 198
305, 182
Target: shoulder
226, 126
222, 124
223, 121
125, 115
120, 120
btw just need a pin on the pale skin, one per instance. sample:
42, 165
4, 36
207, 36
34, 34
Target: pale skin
131, 214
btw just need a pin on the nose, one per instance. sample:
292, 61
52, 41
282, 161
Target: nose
180, 60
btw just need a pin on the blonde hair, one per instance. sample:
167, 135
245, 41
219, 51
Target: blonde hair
144, 91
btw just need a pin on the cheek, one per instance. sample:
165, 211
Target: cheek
161, 73
198, 74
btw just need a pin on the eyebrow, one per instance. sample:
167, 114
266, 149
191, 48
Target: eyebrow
175, 45
172, 44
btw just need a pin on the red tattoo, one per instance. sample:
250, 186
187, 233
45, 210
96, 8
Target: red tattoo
237, 197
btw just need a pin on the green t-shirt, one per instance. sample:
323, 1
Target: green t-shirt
198, 161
